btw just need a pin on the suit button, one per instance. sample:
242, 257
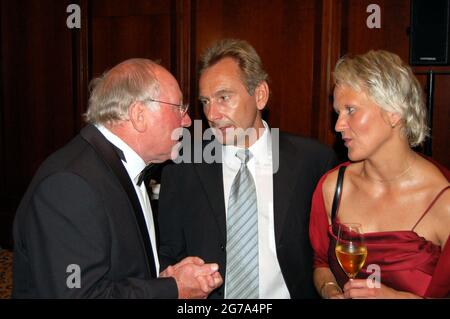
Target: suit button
222, 247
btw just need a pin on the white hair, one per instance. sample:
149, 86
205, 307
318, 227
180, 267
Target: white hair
391, 84
117, 89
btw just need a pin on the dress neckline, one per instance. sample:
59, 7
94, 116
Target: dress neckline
386, 232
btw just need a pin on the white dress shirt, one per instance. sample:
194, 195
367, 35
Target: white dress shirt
134, 165
271, 281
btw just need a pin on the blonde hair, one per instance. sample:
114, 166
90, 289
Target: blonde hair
243, 53
391, 84
117, 89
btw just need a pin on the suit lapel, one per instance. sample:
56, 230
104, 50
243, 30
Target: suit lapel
106, 151
211, 176
283, 181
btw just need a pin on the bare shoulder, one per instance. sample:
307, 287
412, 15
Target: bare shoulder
432, 173
329, 186
436, 182
442, 205
441, 213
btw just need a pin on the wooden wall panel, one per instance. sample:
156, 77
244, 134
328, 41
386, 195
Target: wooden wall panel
441, 113
129, 29
358, 38
327, 52
282, 32
183, 24
441, 120
37, 101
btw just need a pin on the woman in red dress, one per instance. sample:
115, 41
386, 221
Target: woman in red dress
401, 199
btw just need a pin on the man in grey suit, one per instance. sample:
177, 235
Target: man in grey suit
85, 228
203, 207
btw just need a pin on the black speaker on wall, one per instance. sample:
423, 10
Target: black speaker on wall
430, 32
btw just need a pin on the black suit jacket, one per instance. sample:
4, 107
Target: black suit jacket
192, 218
81, 209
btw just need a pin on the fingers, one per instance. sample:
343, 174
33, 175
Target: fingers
206, 283
209, 283
218, 281
191, 260
356, 283
357, 288
196, 281
360, 293
213, 281
168, 272
206, 269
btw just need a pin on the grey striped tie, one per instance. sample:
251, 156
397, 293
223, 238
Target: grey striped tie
242, 273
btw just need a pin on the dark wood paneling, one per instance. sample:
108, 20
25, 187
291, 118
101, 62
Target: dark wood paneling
129, 29
441, 120
283, 33
183, 23
37, 87
2, 126
120, 8
358, 38
441, 112
37, 106
327, 52
81, 63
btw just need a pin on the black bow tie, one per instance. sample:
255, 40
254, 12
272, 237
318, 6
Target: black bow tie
146, 174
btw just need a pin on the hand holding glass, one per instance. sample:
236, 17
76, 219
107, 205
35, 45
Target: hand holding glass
351, 250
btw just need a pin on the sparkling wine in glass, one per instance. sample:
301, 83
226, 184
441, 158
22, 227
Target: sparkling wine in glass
351, 250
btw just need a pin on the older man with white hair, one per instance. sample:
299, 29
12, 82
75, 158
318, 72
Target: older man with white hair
85, 228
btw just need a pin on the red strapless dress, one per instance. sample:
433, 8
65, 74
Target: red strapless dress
407, 261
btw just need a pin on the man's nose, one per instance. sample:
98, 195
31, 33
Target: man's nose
212, 112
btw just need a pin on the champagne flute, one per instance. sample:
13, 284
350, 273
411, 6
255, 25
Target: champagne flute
351, 250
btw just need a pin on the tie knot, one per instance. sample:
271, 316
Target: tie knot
244, 155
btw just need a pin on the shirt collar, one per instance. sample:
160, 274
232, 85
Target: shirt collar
260, 150
134, 164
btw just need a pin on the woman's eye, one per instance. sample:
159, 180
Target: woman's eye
350, 110
204, 102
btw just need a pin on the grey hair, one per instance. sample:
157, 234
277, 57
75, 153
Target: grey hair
117, 89
243, 53
391, 84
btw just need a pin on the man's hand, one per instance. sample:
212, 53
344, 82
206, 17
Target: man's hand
194, 278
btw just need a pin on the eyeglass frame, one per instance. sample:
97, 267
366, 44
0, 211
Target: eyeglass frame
183, 108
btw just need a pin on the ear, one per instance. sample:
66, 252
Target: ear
137, 114
261, 95
394, 119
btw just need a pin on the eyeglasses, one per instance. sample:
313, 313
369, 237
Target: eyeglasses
183, 108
